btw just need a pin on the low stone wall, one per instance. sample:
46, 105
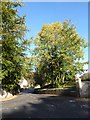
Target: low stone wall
58, 91
83, 87
4, 94
85, 90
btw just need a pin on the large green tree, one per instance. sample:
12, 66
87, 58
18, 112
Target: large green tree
14, 44
58, 51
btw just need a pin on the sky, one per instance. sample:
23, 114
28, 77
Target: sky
52, 0
39, 13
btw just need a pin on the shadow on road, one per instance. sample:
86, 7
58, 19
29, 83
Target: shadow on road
27, 90
46, 106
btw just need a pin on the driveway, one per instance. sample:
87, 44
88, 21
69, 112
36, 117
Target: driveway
28, 105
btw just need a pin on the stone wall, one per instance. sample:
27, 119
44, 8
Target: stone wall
83, 87
57, 91
4, 94
85, 90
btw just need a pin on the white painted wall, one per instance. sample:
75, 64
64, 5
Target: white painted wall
23, 83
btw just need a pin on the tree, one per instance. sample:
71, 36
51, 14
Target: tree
14, 44
58, 51
28, 71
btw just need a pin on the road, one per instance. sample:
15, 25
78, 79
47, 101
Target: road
28, 105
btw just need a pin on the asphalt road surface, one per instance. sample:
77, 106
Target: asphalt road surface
28, 105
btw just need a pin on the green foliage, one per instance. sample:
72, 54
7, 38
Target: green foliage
14, 44
38, 78
58, 51
28, 71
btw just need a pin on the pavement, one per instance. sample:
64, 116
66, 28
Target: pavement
28, 105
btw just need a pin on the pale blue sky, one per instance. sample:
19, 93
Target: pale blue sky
39, 13
55, 0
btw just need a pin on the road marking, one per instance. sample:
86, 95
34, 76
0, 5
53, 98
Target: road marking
10, 98
72, 101
16, 108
